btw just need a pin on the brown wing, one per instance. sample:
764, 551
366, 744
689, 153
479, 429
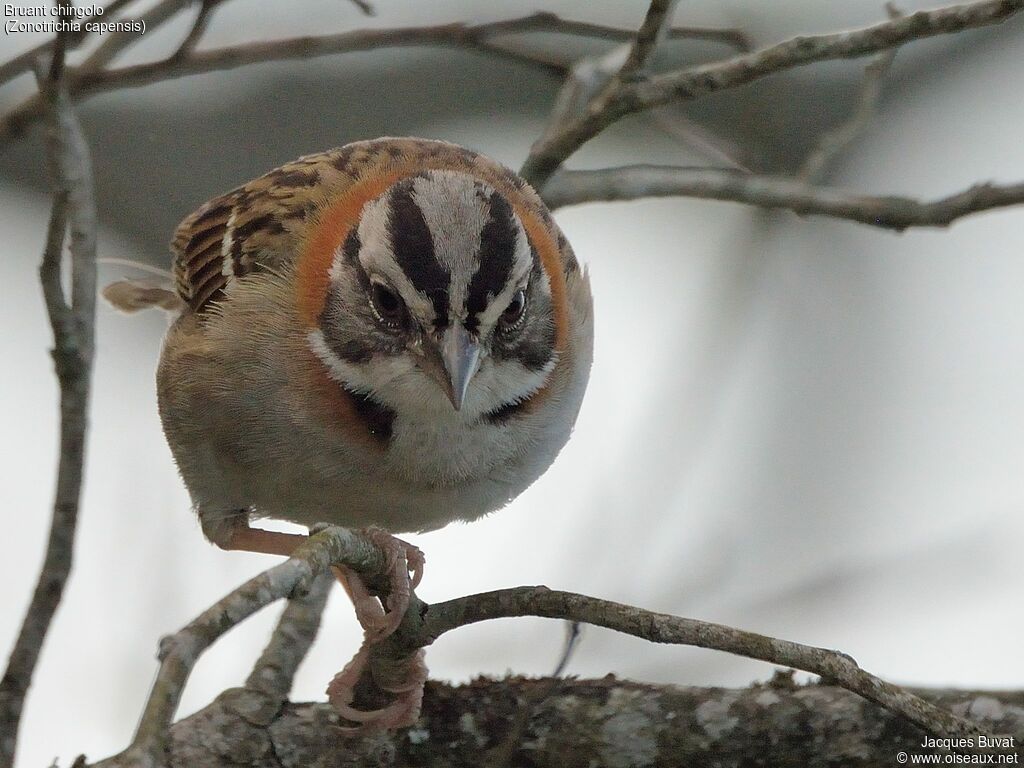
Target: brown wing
249, 229
260, 225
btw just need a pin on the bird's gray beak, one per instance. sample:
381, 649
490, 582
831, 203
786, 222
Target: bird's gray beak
460, 354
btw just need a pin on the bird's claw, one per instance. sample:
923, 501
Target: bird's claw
402, 712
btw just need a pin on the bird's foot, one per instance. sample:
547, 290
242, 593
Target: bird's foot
403, 568
406, 679
403, 678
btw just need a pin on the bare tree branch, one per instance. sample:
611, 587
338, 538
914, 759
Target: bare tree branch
94, 77
627, 97
589, 77
584, 80
274, 672
73, 326
650, 34
115, 43
218, 59
734, 38
423, 627
718, 150
23, 63
198, 29
832, 143
888, 212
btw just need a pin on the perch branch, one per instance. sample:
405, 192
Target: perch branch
423, 624
888, 212
73, 325
273, 673
626, 96
422, 628
179, 652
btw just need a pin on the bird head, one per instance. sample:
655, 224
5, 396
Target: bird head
436, 299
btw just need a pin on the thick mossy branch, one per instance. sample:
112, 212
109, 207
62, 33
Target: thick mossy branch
567, 723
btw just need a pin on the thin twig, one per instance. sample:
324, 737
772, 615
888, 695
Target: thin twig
73, 325
93, 77
716, 149
23, 63
650, 34
734, 38
595, 79
139, 265
573, 634
589, 79
365, 7
551, 22
629, 97
584, 80
832, 143
197, 30
232, 57
888, 212
115, 43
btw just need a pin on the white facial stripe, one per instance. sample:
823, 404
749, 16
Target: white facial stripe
455, 213
337, 368
508, 381
374, 376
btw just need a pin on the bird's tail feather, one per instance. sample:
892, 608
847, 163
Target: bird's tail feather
131, 296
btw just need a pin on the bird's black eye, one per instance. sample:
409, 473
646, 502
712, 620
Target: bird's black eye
387, 305
515, 311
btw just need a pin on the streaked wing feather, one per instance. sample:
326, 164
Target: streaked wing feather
197, 244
